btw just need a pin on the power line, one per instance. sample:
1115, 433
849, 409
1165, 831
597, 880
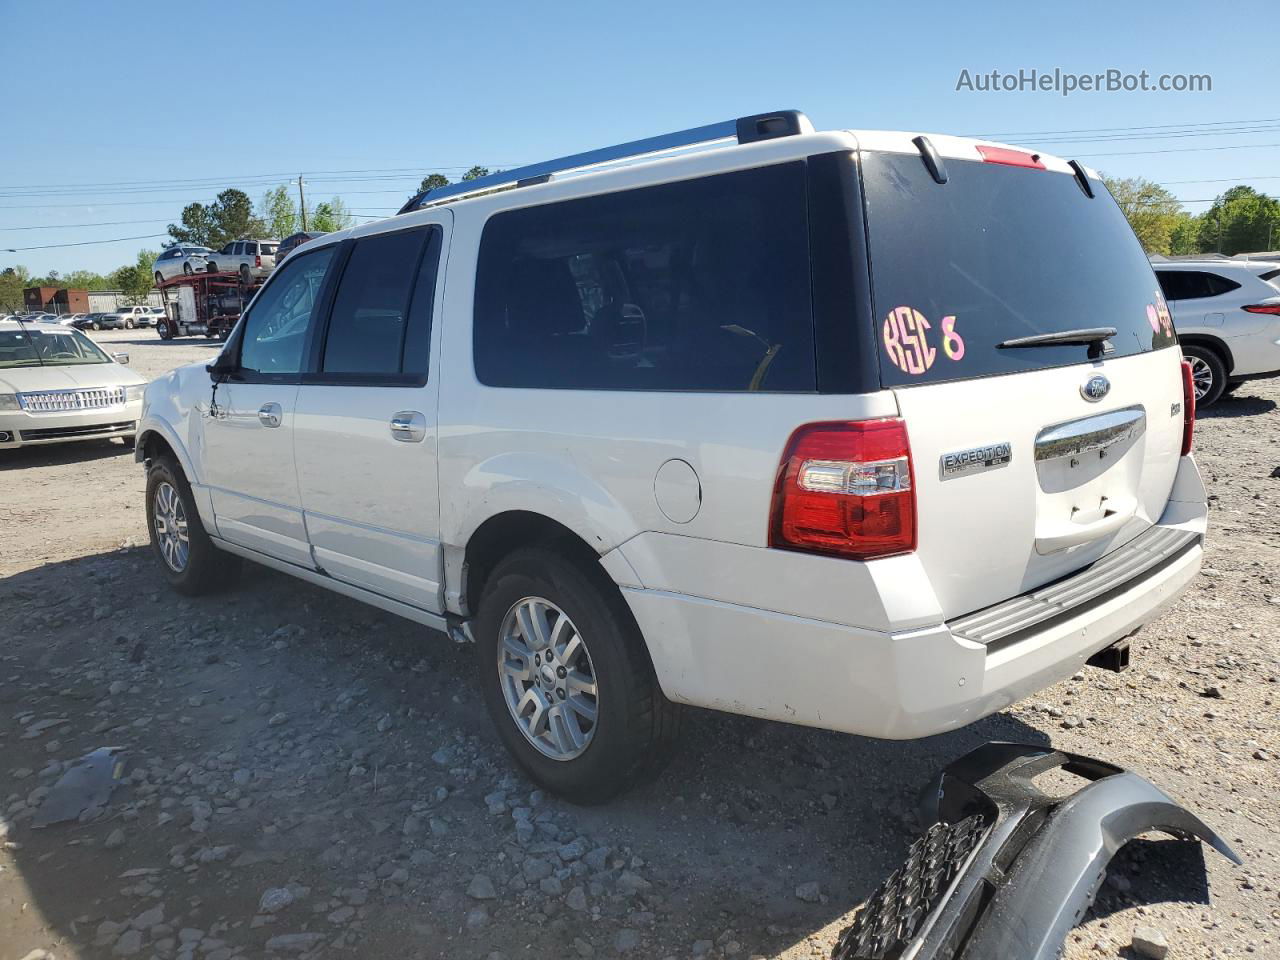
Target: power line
222, 178
1158, 126
82, 243
1135, 153
1117, 138
77, 226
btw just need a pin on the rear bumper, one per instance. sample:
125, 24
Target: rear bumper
894, 684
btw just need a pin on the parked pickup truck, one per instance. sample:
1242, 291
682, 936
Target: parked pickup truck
249, 258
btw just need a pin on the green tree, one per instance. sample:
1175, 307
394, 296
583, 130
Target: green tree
135, 279
329, 216
228, 218
278, 212
1241, 220
1184, 238
13, 280
475, 173
432, 181
1152, 211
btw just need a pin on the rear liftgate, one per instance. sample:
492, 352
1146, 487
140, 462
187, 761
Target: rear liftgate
1006, 870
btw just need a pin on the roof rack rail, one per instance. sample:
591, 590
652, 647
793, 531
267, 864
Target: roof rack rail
761, 126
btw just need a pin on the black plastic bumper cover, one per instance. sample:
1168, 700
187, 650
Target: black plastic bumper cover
1006, 870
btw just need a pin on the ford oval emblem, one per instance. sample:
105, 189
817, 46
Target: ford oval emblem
1095, 388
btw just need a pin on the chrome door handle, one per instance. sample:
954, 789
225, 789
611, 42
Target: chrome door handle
269, 415
409, 426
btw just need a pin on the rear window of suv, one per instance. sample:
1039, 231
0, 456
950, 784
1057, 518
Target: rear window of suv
996, 253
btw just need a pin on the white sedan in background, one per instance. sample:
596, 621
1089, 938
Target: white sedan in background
57, 385
179, 260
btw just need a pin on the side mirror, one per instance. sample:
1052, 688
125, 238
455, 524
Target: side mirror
223, 366
121, 358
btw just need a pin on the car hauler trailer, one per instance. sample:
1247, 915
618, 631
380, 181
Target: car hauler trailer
207, 304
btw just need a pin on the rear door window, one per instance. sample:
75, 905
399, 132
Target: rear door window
380, 325
697, 285
996, 253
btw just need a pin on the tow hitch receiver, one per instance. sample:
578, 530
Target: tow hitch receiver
1114, 658
1006, 869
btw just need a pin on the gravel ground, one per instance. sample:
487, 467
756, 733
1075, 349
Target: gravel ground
307, 776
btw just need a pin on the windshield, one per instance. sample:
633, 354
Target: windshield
47, 348
995, 254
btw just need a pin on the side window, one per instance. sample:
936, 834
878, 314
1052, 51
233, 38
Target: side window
697, 285
1193, 284
1219, 285
275, 329
380, 325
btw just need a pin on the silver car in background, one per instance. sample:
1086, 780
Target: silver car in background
179, 260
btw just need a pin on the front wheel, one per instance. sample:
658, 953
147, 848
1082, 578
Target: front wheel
188, 558
165, 329
567, 678
1208, 373
186, 268
128, 324
159, 278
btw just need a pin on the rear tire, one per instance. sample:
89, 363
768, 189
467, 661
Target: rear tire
246, 276
159, 278
210, 267
634, 725
128, 324
171, 516
1208, 372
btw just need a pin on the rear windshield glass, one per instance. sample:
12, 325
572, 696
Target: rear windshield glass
998, 253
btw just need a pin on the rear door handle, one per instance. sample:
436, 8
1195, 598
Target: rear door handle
269, 415
409, 426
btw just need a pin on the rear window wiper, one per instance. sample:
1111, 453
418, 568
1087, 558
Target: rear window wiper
1094, 337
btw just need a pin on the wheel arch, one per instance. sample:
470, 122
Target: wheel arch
503, 534
1209, 342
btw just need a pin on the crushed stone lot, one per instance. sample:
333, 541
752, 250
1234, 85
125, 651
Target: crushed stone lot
306, 776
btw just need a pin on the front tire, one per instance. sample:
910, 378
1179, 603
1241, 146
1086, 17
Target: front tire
1208, 373
567, 679
188, 559
128, 324
186, 269
159, 278
165, 329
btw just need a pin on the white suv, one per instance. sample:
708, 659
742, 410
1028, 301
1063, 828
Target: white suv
248, 258
1228, 318
797, 425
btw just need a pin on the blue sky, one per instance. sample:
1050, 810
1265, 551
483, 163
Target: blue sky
153, 92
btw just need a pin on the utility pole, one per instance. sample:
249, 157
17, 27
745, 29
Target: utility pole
302, 204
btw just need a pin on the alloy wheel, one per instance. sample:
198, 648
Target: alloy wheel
170, 522
1201, 376
547, 678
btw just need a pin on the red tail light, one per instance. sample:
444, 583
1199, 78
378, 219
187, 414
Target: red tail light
1271, 308
257, 261
1012, 158
846, 488
1188, 407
